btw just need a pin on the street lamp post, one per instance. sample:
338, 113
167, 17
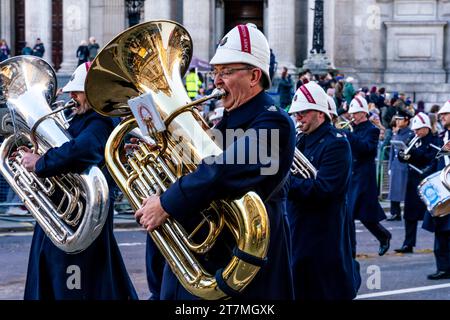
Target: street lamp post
317, 61
134, 11
317, 45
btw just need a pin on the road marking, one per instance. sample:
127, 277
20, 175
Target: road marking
131, 244
401, 291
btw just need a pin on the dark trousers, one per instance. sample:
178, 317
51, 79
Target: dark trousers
410, 233
395, 208
376, 228
442, 250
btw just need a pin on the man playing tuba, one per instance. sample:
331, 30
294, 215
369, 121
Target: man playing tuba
241, 68
53, 273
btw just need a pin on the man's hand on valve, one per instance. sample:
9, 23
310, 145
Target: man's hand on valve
151, 215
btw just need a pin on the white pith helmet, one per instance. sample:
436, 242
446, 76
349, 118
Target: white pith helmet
76, 82
245, 44
310, 96
358, 104
421, 120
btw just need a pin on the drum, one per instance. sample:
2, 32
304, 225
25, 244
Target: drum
435, 195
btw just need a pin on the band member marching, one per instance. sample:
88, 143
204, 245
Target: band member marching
100, 269
363, 193
441, 225
322, 263
419, 156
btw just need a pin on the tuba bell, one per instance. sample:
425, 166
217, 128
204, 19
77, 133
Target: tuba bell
70, 208
150, 58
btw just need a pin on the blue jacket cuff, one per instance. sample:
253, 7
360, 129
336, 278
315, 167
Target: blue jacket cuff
174, 202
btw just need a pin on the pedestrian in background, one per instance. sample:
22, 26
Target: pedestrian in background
93, 47
284, 89
82, 52
27, 50
4, 50
38, 49
398, 171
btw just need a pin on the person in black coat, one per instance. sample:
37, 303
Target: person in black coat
419, 158
284, 89
241, 69
102, 272
441, 225
322, 264
363, 193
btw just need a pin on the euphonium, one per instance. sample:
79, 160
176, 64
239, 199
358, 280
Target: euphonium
344, 123
151, 58
70, 208
302, 166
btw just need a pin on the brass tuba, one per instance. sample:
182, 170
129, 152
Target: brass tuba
70, 208
150, 58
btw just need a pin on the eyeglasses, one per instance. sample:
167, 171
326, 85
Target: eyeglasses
302, 113
225, 73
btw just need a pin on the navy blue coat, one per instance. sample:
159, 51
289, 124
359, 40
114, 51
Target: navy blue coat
195, 191
363, 192
431, 223
322, 263
399, 170
421, 157
102, 270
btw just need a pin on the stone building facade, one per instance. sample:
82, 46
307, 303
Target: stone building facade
400, 44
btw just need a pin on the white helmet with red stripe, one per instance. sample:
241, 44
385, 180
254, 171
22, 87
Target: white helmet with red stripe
76, 82
332, 106
245, 44
358, 104
310, 96
445, 108
421, 120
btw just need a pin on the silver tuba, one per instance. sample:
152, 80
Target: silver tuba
70, 208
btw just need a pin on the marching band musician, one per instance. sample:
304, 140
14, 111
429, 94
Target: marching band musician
441, 225
241, 68
419, 157
398, 171
322, 263
363, 194
98, 272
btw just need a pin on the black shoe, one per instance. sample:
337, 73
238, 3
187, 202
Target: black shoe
404, 249
395, 217
384, 246
439, 275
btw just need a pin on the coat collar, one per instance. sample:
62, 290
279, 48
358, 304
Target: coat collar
317, 135
363, 125
248, 111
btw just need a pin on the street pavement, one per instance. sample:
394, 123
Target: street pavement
391, 277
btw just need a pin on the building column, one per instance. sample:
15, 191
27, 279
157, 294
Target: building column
157, 10
38, 24
199, 28
114, 19
281, 32
75, 29
6, 22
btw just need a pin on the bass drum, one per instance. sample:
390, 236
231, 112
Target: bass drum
435, 195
